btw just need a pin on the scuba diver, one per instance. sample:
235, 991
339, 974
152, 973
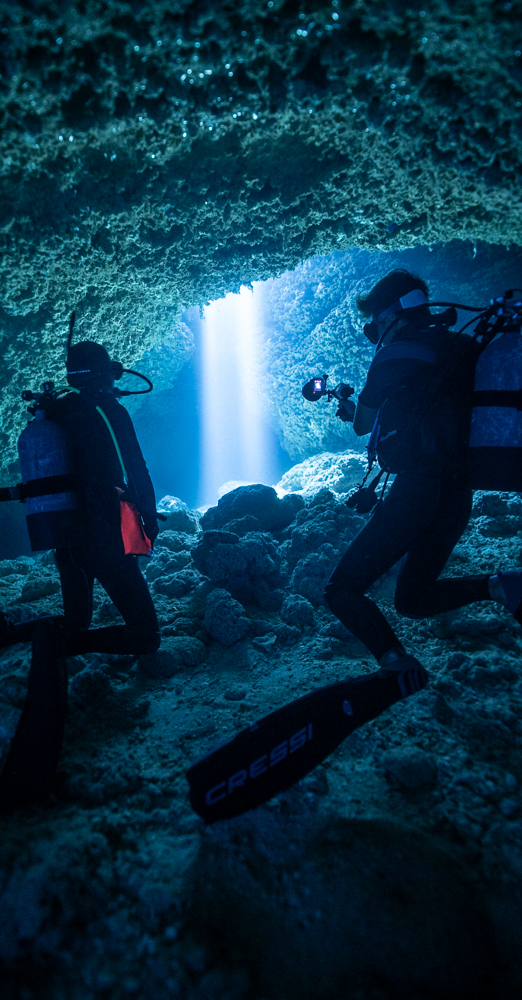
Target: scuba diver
445, 414
109, 477
429, 503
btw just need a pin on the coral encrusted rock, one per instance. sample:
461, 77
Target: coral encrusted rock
225, 618
239, 564
256, 501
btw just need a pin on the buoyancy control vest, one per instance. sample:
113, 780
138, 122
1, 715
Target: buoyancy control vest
495, 446
423, 425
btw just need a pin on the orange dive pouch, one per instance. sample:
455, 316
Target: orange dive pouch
135, 541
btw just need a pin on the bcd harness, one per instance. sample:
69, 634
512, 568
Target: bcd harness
494, 456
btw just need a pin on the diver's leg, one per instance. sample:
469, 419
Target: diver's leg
77, 580
33, 755
123, 581
384, 539
419, 592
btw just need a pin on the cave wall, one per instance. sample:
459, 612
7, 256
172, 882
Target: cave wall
308, 325
157, 154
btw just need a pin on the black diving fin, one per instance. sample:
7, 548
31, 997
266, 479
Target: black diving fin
274, 753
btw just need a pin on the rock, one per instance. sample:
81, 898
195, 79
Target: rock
269, 598
297, 611
265, 642
89, 687
288, 633
179, 517
232, 695
335, 630
178, 584
239, 564
175, 653
337, 472
39, 586
225, 619
258, 501
175, 541
312, 573
245, 524
411, 768
21, 566
508, 807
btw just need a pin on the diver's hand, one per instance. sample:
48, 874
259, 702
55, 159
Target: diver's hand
151, 528
346, 411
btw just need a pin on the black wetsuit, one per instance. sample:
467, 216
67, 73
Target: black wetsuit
101, 556
426, 510
30, 766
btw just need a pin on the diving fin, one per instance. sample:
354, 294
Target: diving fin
274, 753
32, 760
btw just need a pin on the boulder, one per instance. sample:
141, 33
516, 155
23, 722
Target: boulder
411, 768
39, 586
297, 611
21, 566
175, 653
225, 619
256, 501
312, 573
239, 564
179, 516
177, 584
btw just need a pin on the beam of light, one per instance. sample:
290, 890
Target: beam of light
235, 445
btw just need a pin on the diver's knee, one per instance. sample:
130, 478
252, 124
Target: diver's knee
336, 594
146, 642
407, 606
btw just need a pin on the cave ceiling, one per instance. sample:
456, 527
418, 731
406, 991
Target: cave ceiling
159, 154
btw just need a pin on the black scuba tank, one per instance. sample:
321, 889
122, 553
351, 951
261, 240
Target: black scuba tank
52, 507
495, 446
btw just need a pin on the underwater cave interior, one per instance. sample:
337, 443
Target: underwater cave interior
209, 185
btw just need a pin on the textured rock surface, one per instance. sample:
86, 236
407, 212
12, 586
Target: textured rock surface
153, 156
225, 619
257, 502
397, 864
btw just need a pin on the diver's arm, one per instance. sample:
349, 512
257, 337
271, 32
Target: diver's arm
364, 419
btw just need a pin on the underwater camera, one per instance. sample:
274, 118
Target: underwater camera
317, 387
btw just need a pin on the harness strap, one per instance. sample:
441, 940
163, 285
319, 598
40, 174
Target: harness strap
401, 349
511, 398
114, 440
46, 486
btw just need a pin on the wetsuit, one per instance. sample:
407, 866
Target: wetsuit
30, 766
101, 556
429, 503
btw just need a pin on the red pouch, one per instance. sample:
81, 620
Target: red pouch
135, 541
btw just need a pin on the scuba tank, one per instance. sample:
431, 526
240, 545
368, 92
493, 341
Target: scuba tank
495, 446
53, 513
